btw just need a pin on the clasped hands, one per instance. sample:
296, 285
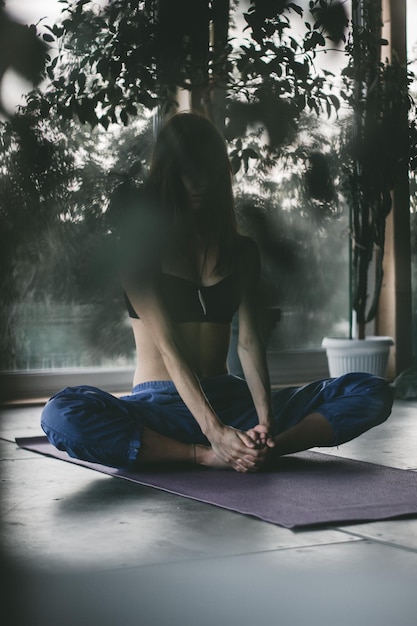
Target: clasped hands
243, 451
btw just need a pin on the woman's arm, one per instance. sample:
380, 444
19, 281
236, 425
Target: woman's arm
230, 445
251, 347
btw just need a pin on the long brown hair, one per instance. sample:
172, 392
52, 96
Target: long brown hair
189, 140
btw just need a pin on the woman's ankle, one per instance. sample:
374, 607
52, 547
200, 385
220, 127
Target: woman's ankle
205, 456
202, 455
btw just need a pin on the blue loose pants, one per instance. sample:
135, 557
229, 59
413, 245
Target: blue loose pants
93, 425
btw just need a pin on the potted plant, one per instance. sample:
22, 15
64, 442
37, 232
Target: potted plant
377, 150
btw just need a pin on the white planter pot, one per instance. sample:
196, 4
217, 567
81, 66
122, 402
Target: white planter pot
368, 355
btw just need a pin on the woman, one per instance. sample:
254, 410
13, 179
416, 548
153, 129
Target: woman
185, 272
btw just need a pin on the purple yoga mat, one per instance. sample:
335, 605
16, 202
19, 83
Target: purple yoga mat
304, 489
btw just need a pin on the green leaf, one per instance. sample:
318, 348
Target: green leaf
250, 153
294, 44
295, 8
103, 67
124, 117
104, 121
81, 81
335, 101
312, 40
328, 108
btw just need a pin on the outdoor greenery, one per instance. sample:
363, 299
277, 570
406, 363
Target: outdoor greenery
56, 183
71, 155
133, 52
378, 150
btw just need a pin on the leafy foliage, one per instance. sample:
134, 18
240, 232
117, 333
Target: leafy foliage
56, 183
33, 190
110, 63
133, 52
378, 149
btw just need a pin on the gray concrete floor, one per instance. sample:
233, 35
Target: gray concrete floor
83, 548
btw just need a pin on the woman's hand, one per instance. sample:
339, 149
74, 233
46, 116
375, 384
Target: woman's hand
261, 436
237, 449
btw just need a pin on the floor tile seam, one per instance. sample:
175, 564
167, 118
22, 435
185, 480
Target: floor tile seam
2, 438
336, 542
249, 553
384, 542
208, 558
4, 459
276, 549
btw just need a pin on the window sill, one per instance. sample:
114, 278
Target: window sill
289, 367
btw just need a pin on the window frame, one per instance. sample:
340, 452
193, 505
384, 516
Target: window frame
287, 367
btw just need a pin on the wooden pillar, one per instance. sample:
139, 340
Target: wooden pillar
395, 310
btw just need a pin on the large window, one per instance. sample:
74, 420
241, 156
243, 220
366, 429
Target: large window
61, 187
62, 306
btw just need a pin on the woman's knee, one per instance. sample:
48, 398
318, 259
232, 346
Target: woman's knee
73, 411
91, 424
366, 403
378, 396
65, 407
371, 392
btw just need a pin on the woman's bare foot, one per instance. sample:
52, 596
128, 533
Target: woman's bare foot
204, 455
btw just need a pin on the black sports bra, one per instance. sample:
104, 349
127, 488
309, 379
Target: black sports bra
188, 302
